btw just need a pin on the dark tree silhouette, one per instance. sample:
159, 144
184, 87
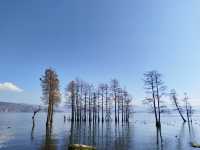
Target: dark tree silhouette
107, 99
34, 113
88, 102
114, 88
188, 108
176, 103
70, 94
155, 89
33, 121
102, 89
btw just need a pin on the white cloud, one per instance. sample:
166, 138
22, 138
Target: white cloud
8, 86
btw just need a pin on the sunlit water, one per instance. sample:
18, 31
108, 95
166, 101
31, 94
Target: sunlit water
140, 134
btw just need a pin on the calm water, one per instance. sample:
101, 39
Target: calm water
140, 134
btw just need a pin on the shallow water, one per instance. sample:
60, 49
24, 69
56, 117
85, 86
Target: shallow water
140, 134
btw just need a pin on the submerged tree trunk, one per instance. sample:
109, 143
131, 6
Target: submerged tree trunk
118, 109
177, 106
102, 117
122, 109
48, 115
115, 99
179, 111
98, 97
158, 101
155, 109
33, 121
52, 112
85, 108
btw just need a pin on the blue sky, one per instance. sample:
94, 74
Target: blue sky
97, 40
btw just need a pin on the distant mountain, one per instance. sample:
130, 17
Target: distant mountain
16, 107
19, 107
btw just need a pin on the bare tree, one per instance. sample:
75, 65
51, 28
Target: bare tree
85, 91
50, 92
106, 88
187, 106
176, 103
124, 97
91, 103
102, 89
33, 121
94, 107
70, 95
127, 107
119, 90
155, 89
114, 87
98, 101
34, 113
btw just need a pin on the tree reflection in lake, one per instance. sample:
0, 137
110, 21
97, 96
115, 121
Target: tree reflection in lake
181, 138
32, 132
117, 136
159, 139
49, 142
105, 135
122, 136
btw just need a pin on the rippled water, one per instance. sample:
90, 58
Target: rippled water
140, 134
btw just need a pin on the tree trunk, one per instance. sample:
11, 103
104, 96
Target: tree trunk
115, 99
102, 118
179, 111
85, 107
122, 109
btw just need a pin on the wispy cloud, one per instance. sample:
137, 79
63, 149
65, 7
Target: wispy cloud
9, 86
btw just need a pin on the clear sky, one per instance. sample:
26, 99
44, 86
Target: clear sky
97, 40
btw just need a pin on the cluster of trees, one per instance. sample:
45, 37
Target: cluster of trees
95, 103
87, 102
155, 90
187, 106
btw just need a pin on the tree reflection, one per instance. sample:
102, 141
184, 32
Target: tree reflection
32, 132
122, 136
49, 142
105, 135
159, 139
180, 145
192, 138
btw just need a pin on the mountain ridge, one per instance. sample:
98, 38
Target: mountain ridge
21, 107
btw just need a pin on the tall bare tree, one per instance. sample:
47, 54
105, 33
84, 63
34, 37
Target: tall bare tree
187, 106
102, 90
155, 89
70, 95
94, 107
90, 101
98, 101
85, 92
107, 99
176, 103
50, 92
127, 107
114, 87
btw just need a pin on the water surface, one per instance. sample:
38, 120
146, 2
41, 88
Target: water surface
16, 133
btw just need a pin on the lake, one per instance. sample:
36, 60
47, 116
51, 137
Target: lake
139, 134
